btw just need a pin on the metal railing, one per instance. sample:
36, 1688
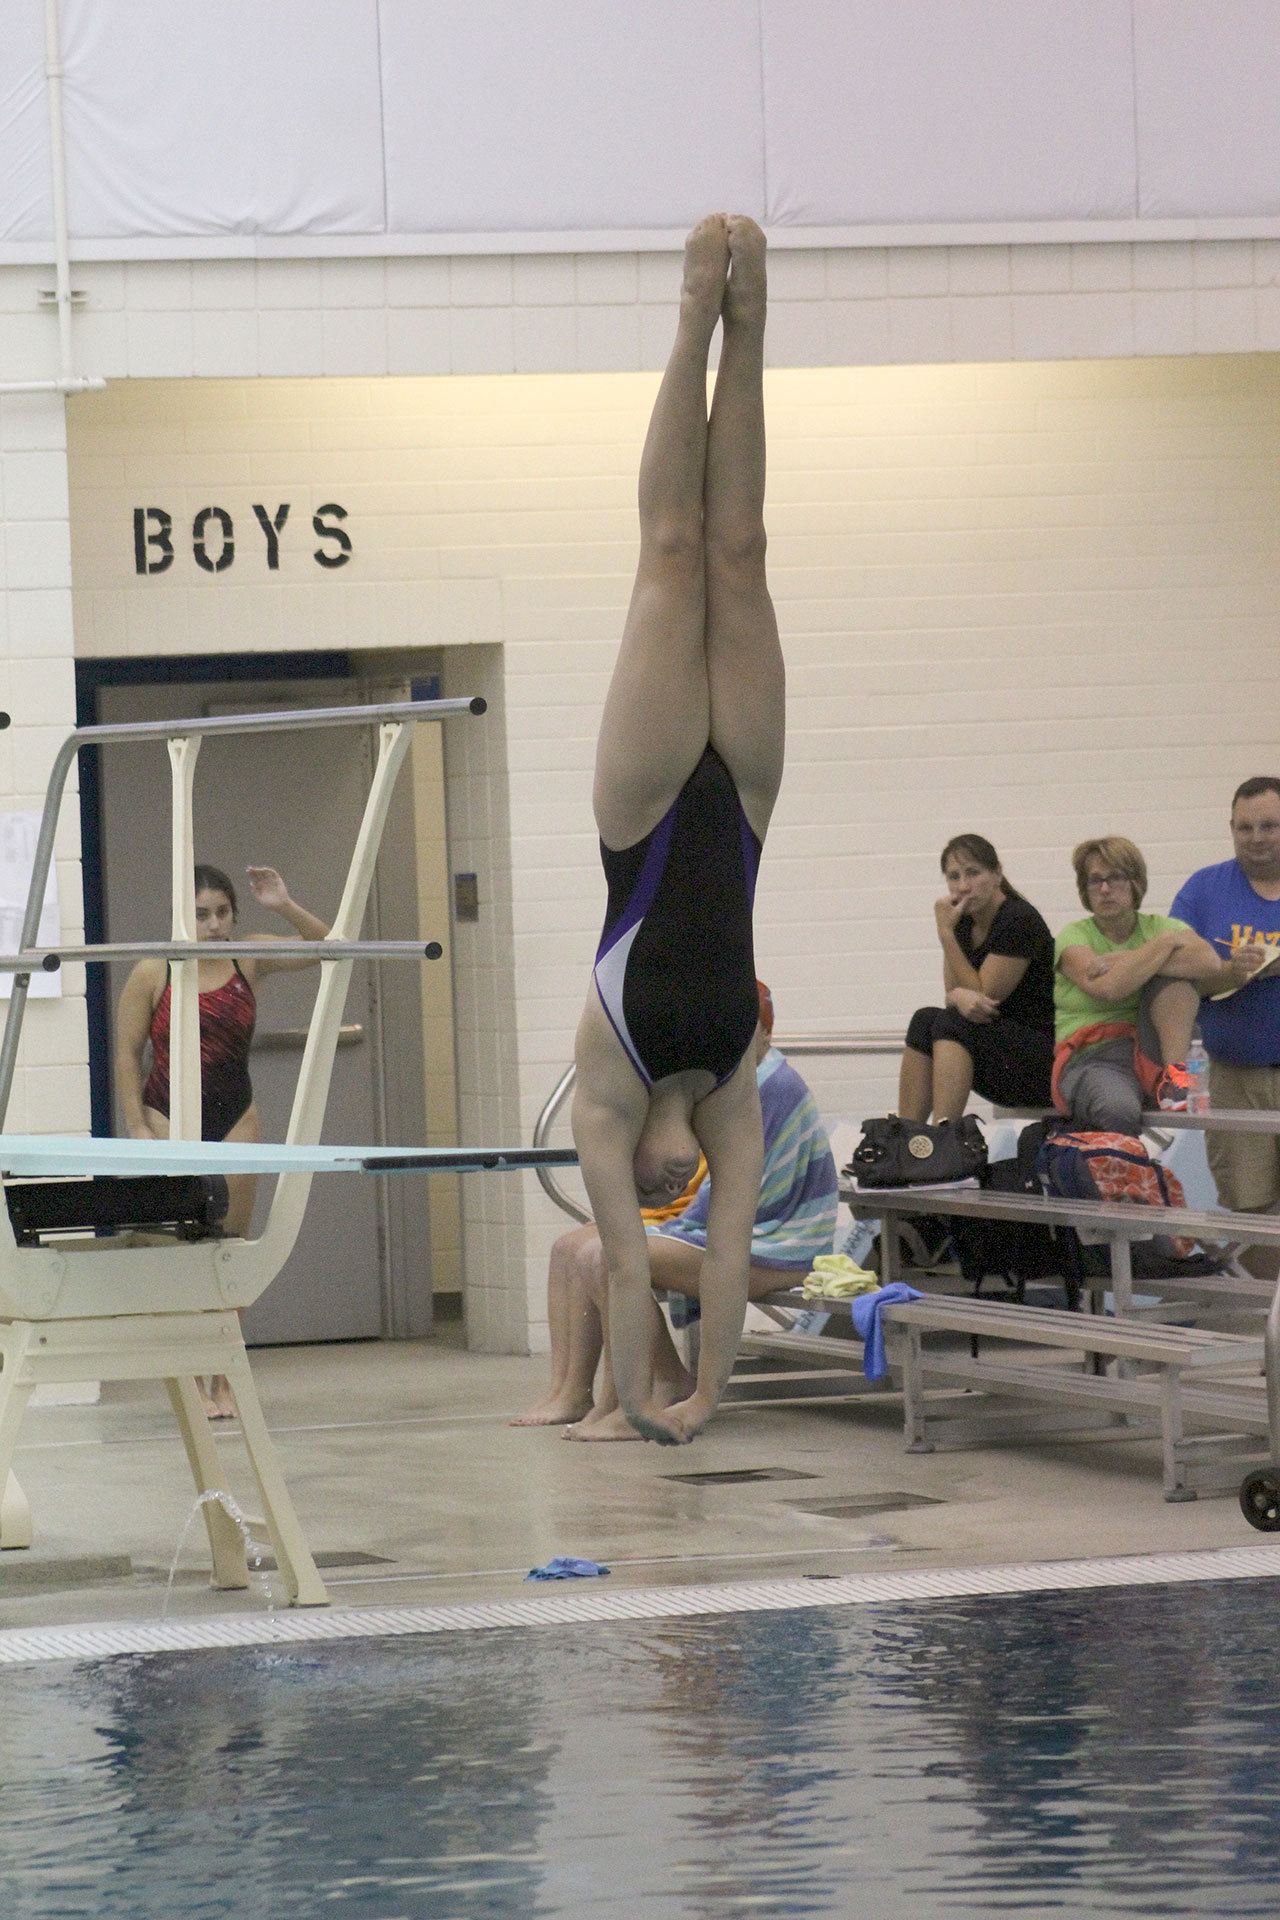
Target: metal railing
32, 957
870, 1042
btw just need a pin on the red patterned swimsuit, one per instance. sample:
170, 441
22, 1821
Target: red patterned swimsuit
227, 1017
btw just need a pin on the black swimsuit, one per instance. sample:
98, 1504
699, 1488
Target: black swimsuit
675, 969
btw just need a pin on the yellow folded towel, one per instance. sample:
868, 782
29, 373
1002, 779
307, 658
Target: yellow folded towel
836, 1277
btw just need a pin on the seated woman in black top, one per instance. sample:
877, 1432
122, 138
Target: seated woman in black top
995, 1034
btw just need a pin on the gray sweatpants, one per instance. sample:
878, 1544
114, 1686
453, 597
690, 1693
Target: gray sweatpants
1101, 1088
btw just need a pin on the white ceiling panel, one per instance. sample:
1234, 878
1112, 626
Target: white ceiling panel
948, 110
569, 114
251, 116
1208, 113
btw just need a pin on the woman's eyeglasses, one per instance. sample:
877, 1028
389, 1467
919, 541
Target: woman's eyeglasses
1095, 882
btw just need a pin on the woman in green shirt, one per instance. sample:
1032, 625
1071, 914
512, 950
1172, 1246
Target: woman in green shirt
1127, 989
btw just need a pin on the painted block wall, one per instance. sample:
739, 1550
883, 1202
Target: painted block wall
599, 312
37, 688
1037, 600
1030, 517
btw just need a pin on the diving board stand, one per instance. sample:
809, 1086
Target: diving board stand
147, 1307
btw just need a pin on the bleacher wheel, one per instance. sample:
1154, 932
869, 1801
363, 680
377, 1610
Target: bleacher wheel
1260, 1500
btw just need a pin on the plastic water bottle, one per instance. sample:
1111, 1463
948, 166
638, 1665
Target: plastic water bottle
1198, 1077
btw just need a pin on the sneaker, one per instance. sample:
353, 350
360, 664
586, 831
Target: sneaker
1172, 1088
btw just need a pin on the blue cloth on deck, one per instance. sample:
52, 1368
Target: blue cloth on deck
565, 1567
865, 1309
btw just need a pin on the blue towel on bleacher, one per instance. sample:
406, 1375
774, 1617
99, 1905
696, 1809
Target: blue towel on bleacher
865, 1309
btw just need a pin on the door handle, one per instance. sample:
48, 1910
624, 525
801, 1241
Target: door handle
294, 1039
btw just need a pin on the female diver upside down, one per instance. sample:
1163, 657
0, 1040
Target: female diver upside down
688, 766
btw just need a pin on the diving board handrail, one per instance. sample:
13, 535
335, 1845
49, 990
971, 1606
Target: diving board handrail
142, 731
867, 1041
50, 958
312, 1091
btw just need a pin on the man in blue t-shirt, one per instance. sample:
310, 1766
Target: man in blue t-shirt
1236, 906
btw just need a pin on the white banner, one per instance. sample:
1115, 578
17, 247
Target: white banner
1208, 106
26, 201
941, 110
235, 118
474, 117
570, 114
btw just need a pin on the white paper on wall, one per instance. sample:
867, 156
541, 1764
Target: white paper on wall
26, 201
948, 110
1208, 107
18, 834
570, 114
235, 118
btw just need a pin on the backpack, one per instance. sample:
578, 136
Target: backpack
1018, 1251
1113, 1166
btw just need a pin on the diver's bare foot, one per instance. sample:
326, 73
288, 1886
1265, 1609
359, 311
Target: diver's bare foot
602, 1426
555, 1411
706, 263
746, 290
677, 1425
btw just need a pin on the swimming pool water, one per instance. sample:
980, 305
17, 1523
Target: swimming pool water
1111, 1752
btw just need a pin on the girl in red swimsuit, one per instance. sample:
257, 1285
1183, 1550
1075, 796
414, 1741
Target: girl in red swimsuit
228, 1009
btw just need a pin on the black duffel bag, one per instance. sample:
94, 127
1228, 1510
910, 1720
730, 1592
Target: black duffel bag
912, 1153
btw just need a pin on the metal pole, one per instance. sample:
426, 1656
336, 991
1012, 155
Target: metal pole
305, 718
53, 71
550, 1186
31, 919
184, 976
168, 730
51, 958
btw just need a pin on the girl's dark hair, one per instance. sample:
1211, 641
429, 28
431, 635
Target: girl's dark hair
216, 880
981, 850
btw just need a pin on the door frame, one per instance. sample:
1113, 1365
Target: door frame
405, 1237
175, 670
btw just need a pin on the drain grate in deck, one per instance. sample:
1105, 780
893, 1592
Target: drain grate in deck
858, 1504
738, 1476
336, 1557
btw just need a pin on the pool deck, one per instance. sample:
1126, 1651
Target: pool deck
402, 1451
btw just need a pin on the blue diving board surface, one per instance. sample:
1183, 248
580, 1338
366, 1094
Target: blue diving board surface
46, 1155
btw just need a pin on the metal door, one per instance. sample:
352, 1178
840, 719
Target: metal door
290, 801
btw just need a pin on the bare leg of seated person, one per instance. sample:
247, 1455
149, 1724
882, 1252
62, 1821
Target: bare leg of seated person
574, 1278
915, 1086
1170, 1009
952, 1079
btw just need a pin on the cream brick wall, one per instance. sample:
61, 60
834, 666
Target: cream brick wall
37, 688
563, 313
1036, 600
990, 511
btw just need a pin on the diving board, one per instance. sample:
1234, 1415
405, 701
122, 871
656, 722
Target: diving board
145, 1305
49, 1156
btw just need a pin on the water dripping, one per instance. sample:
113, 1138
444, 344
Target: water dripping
259, 1579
